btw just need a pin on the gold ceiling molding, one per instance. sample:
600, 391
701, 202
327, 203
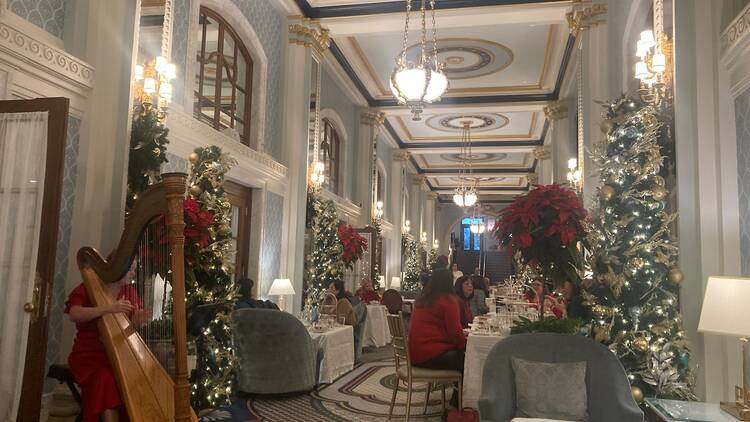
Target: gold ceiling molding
542, 152
309, 33
410, 137
532, 179
584, 17
401, 155
736, 31
556, 110
422, 162
372, 117
418, 179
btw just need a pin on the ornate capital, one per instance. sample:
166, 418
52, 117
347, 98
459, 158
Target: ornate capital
582, 18
431, 196
532, 178
556, 111
401, 155
371, 117
308, 33
418, 179
542, 152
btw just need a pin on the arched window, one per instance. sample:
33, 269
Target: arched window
330, 149
224, 75
471, 241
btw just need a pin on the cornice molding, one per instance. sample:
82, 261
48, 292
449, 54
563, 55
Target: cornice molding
736, 31
431, 196
584, 17
401, 155
542, 153
371, 117
309, 34
344, 206
734, 48
556, 110
17, 43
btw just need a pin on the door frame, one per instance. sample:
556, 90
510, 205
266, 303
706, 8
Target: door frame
32, 385
242, 197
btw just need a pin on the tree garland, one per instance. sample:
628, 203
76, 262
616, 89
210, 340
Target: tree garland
208, 277
410, 249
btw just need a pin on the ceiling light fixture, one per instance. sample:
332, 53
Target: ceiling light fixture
415, 84
466, 192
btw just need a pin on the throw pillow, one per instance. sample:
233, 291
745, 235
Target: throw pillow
550, 390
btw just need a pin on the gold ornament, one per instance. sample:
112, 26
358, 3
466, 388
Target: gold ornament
606, 125
637, 393
676, 276
601, 311
641, 344
607, 192
196, 190
632, 168
659, 181
601, 334
157, 152
193, 157
637, 262
658, 193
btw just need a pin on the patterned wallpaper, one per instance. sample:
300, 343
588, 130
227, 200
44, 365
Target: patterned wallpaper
270, 263
742, 116
46, 14
63, 253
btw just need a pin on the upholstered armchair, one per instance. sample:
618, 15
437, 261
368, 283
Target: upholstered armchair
275, 352
607, 387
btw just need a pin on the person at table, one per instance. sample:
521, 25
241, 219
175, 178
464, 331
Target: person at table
477, 303
366, 293
464, 289
570, 304
88, 360
456, 272
344, 308
539, 290
246, 299
436, 337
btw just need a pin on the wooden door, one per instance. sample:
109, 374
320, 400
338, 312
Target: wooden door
241, 199
38, 306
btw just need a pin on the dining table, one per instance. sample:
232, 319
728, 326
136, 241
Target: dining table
376, 332
335, 351
478, 346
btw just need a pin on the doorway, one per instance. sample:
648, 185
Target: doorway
241, 199
32, 145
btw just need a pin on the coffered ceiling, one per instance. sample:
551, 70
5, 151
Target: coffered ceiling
505, 60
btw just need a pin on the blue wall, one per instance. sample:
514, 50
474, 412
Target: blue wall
742, 116
46, 14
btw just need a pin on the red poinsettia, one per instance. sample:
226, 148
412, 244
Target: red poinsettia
197, 222
352, 243
546, 226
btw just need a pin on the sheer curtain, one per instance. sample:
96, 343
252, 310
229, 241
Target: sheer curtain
23, 150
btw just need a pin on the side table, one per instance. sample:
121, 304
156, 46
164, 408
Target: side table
661, 410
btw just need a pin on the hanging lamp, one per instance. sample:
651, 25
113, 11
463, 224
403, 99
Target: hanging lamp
465, 194
415, 84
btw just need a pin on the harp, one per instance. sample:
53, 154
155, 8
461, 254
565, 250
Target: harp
151, 376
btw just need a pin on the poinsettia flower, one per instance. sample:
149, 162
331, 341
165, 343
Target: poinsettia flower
524, 240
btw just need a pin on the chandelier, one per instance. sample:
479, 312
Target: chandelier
477, 225
654, 67
415, 84
316, 167
153, 87
466, 193
574, 176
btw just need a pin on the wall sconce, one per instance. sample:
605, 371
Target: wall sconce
423, 237
574, 176
435, 244
378, 212
653, 70
407, 226
153, 85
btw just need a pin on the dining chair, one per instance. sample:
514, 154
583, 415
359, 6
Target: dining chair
410, 374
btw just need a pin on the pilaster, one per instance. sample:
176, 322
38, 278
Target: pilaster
400, 159
370, 122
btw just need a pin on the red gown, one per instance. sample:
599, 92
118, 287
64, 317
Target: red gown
88, 360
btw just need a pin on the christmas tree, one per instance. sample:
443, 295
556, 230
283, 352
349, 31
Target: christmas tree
324, 264
410, 249
636, 279
148, 144
208, 250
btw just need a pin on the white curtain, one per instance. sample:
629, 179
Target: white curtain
23, 150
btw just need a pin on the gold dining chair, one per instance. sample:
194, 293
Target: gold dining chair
411, 374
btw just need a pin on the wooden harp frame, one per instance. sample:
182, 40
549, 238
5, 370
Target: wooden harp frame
147, 390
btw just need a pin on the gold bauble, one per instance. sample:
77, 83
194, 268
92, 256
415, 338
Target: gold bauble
196, 190
601, 334
658, 193
606, 125
632, 168
157, 152
193, 157
637, 262
637, 393
607, 192
600, 311
641, 344
659, 181
676, 276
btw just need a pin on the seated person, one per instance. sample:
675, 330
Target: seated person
88, 360
366, 292
539, 290
344, 307
246, 300
464, 289
436, 337
456, 272
477, 303
570, 304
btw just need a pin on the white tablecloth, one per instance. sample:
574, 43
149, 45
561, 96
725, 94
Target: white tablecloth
477, 349
337, 346
376, 332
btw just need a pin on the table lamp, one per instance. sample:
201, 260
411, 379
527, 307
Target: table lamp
381, 281
396, 283
725, 313
281, 287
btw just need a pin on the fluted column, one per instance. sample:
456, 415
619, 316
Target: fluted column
429, 221
395, 203
417, 204
370, 122
560, 144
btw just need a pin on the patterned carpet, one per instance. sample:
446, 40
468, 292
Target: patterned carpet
362, 395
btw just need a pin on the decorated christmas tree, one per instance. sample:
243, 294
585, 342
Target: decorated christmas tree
324, 264
410, 248
210, 291
636, 279
148, 144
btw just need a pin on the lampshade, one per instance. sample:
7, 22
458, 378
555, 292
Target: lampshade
641, 50
381, 280
647, 37
659, 62
641, 70
572, 163
281, 286
395, 282
725, 309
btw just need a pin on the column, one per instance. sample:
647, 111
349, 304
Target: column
544, 163
370, 122
417, 204
304, 39
559, 146
393, 265
430, 215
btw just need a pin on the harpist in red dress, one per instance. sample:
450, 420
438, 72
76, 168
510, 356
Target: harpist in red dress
88, 359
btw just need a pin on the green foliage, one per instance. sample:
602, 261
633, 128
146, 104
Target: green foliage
547, 325
635, 292
324, 264
410, 250
148, 145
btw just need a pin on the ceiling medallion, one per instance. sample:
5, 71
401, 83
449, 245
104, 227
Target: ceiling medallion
479, 122
482, 157
420, 81
467, 58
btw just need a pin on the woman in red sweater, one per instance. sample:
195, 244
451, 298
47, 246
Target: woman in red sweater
436, 337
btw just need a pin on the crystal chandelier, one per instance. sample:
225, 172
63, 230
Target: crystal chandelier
466, 193
415, 84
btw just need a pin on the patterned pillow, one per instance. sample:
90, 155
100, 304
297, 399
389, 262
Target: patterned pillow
550, 390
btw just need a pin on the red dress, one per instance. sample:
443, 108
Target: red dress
436, 329
88, 359
368, 296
